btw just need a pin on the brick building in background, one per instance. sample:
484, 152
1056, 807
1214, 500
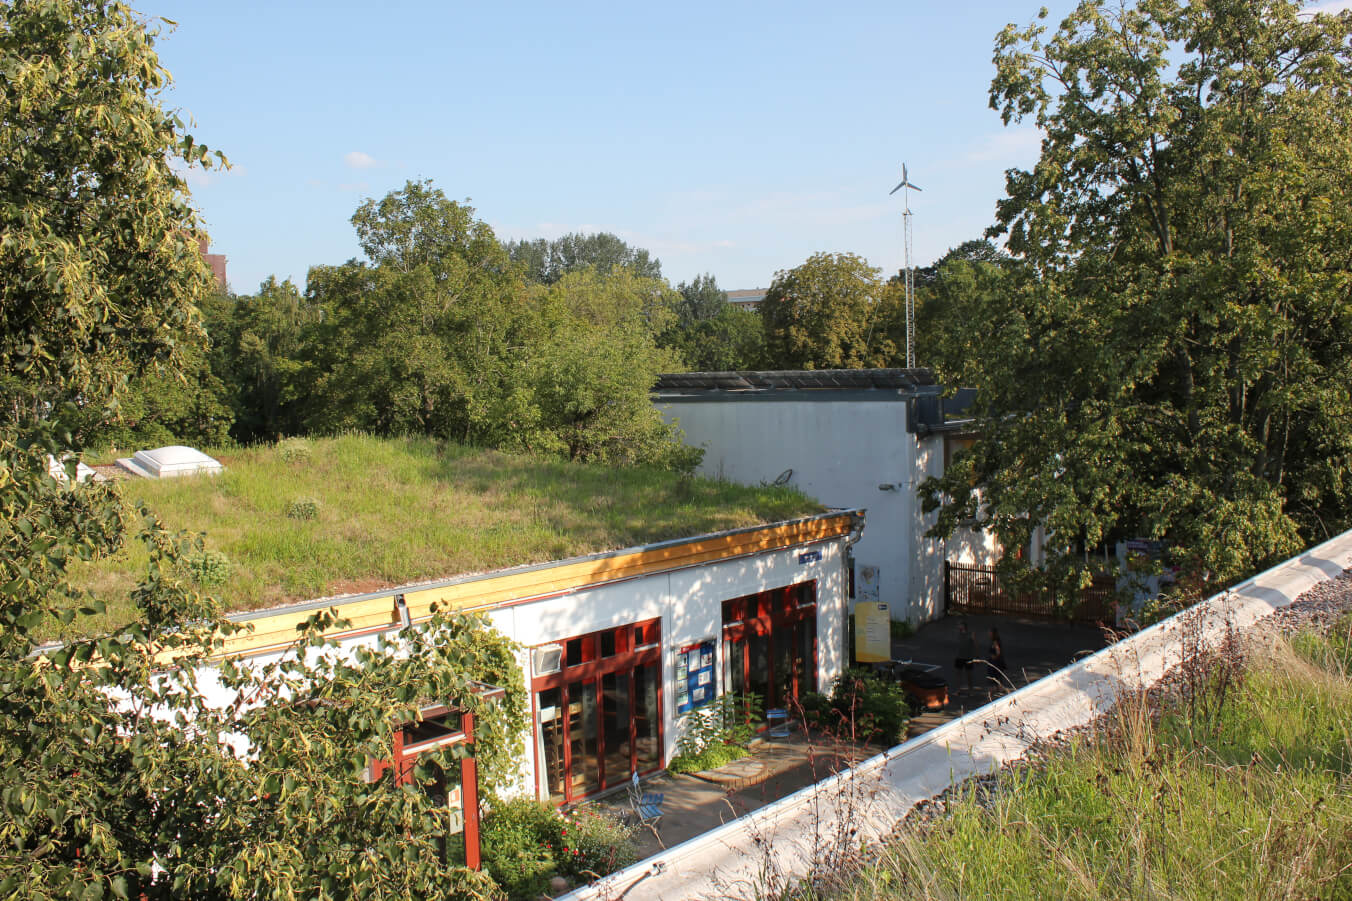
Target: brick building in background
216, 261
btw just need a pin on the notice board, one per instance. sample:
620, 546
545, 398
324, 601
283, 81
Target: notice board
695, 675
872, 632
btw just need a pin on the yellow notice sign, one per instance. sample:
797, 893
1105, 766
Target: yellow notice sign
872, 632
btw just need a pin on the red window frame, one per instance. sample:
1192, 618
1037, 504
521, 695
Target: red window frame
635, 645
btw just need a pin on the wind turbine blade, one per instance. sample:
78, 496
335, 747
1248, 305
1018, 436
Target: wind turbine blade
897, 188
915, 187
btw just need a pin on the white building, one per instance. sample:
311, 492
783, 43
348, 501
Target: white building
618, 647
859, 438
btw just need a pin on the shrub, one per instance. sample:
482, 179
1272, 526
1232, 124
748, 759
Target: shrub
596, 843
207, 568
861, 706
303, 508
294, 450
710, 758
525, 843
518, 844
717, 733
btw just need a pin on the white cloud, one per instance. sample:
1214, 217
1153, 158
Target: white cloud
1332, 6
1008, 145
358, 160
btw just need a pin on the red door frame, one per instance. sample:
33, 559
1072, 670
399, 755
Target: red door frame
629, 656
776, 611
404, 759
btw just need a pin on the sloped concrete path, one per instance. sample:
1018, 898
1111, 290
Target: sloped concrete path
815, 827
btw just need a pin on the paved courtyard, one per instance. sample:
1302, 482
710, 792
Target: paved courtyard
779, 767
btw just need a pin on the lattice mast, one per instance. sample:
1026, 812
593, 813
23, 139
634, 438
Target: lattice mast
908, 277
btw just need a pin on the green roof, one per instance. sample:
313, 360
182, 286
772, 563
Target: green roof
394, 511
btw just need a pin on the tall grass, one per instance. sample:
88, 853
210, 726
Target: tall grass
1252, 800
390, 511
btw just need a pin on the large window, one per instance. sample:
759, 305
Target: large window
770, 644
600, 715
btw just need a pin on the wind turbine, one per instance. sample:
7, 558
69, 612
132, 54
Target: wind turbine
909, 272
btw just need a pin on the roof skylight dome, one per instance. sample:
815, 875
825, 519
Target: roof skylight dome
170, 462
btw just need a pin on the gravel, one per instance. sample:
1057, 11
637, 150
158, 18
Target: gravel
1317, 609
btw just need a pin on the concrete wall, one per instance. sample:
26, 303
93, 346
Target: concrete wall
840, 452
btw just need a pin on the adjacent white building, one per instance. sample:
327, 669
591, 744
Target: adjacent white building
851, 438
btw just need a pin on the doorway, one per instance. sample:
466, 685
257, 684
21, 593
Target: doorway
600, 714
770, 644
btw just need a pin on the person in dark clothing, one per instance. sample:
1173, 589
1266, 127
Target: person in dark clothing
966, 658
995, 659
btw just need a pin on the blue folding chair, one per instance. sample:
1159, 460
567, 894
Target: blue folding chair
647, 806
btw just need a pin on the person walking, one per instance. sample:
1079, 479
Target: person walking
966, 658
995, 660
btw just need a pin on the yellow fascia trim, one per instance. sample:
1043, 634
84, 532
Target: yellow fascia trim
279, 630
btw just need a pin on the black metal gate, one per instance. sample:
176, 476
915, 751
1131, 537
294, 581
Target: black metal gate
977, 589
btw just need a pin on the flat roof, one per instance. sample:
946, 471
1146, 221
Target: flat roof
391, 608
905, 382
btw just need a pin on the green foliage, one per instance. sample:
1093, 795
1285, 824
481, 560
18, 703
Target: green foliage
717, 733
546, 262
831, 312
439, 335
902, 628
1173, 360
118, 776
953, 297
259, 353
710, 334
302, 508
526, 843
99, 267
460, 510
1250, 804
296, 451
209, 569
862, 707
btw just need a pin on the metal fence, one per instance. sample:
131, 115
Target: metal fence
977, 589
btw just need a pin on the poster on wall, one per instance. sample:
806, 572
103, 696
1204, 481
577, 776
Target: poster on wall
872, 632
694, 675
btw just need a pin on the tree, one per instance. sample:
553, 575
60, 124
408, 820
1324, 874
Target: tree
831, 312
258, 352
1178, 364
119, 779
546, 262
956, 297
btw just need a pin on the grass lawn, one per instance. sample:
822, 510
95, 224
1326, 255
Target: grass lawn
1241, 794
396, 511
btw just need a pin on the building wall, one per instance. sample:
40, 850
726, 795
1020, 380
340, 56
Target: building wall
689, 603
842, 452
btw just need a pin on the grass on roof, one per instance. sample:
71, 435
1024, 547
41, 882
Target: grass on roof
393, 511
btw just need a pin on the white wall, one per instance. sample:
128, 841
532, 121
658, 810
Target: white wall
840, 452
689, 603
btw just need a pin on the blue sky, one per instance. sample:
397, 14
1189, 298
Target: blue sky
729, 138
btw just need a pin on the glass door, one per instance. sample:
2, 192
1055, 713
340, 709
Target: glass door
584, 763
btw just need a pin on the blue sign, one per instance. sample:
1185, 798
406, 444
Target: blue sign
809, 556
694, 676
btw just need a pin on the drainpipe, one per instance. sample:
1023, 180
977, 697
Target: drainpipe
847, 564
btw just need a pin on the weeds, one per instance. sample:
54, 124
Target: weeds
1231, 782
